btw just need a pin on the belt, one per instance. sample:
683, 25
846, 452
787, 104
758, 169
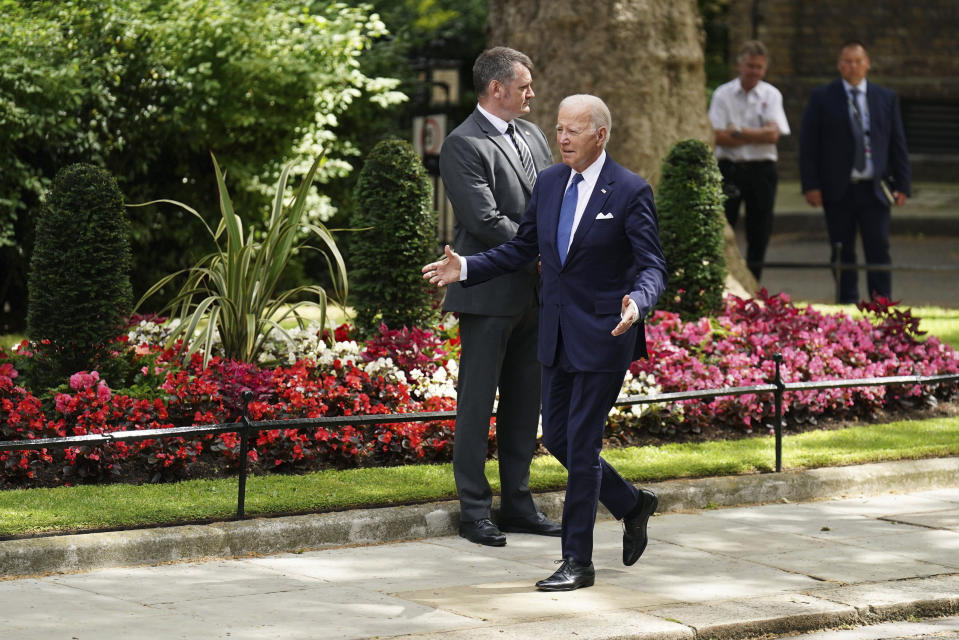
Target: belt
858, 180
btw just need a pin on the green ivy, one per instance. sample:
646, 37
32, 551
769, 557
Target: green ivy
691, 227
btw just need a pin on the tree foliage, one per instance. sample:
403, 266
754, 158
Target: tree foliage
79, 276
395, 213
691, 226
146, 89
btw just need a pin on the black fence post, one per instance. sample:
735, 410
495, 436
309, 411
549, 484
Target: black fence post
778, 394
244, 449
836, 260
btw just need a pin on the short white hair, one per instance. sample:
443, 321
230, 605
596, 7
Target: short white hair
599, 115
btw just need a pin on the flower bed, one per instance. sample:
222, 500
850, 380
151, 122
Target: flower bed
404, 371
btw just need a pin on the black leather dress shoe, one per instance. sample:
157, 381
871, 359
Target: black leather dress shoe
538, 524
482, 532
572, 574
634, 527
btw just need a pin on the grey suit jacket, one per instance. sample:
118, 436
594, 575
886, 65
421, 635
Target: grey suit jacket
489, 191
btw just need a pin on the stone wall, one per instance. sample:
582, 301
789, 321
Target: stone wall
912, 46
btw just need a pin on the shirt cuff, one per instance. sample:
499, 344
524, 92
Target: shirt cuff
463, 269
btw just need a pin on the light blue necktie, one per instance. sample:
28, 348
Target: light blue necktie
567, 212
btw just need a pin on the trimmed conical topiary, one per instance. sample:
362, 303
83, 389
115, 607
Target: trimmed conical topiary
79, 283
691, 226
394, 203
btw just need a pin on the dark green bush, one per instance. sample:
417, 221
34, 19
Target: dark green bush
394, 204
79, 281
691, 225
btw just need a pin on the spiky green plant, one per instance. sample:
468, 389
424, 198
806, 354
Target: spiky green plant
233, 291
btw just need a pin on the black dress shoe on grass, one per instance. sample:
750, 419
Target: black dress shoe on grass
482, 532
538, 524
572, 574
634, 527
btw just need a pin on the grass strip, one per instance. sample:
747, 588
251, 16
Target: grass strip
32, 511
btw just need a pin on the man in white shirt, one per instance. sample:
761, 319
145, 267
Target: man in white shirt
748, 118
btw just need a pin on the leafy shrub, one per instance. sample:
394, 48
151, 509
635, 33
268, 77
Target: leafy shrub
394, 199
147, 89
736, 349
342, 379
691, 225
80, 292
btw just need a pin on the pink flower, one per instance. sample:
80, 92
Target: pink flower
63, 402
83, 380
103, 392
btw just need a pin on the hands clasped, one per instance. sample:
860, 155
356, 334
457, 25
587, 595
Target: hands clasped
445, 271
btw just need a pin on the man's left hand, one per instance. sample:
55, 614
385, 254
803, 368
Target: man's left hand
630, 315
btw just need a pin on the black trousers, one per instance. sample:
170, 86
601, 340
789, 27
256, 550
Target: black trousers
755, 184
498, 352
859, 208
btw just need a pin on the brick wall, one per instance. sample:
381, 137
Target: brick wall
912, 46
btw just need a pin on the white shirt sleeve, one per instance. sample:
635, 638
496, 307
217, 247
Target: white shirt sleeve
778, 114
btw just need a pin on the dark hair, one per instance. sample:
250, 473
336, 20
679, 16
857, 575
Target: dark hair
853, 43
752, 48
497, 64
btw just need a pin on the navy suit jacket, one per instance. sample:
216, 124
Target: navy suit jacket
826, 146
615, 251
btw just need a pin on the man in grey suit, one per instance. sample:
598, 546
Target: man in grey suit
488, 165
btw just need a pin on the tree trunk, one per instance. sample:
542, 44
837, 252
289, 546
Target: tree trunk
644, 58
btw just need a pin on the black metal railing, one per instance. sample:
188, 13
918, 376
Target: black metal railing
246, 426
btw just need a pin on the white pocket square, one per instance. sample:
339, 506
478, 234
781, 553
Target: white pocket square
604, 216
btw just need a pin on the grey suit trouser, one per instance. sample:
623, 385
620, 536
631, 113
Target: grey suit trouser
497, 352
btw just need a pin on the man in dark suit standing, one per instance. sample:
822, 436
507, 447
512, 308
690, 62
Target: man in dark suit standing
593, 224
854, 164
488, 165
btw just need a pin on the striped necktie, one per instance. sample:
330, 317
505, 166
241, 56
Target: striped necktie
524, 155
858, 132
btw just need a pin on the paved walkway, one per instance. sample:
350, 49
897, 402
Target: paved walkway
726, 572
924, 234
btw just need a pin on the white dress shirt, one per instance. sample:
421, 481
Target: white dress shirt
500, 125
584, 191
732, 107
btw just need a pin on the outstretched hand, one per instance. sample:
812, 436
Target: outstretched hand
630, 314
445, 271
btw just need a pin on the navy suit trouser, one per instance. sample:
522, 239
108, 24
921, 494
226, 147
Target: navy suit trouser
860, 208
575, 407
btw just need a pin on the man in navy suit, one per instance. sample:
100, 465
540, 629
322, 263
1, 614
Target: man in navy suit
854, 164
593, 224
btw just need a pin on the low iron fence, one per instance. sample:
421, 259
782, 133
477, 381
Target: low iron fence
246, 427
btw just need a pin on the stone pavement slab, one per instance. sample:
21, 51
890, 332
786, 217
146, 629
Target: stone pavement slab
718, 573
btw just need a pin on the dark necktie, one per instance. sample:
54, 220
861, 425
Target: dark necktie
858, 133
524, 155
567, 212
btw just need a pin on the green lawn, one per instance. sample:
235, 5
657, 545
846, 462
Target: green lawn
109, 506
